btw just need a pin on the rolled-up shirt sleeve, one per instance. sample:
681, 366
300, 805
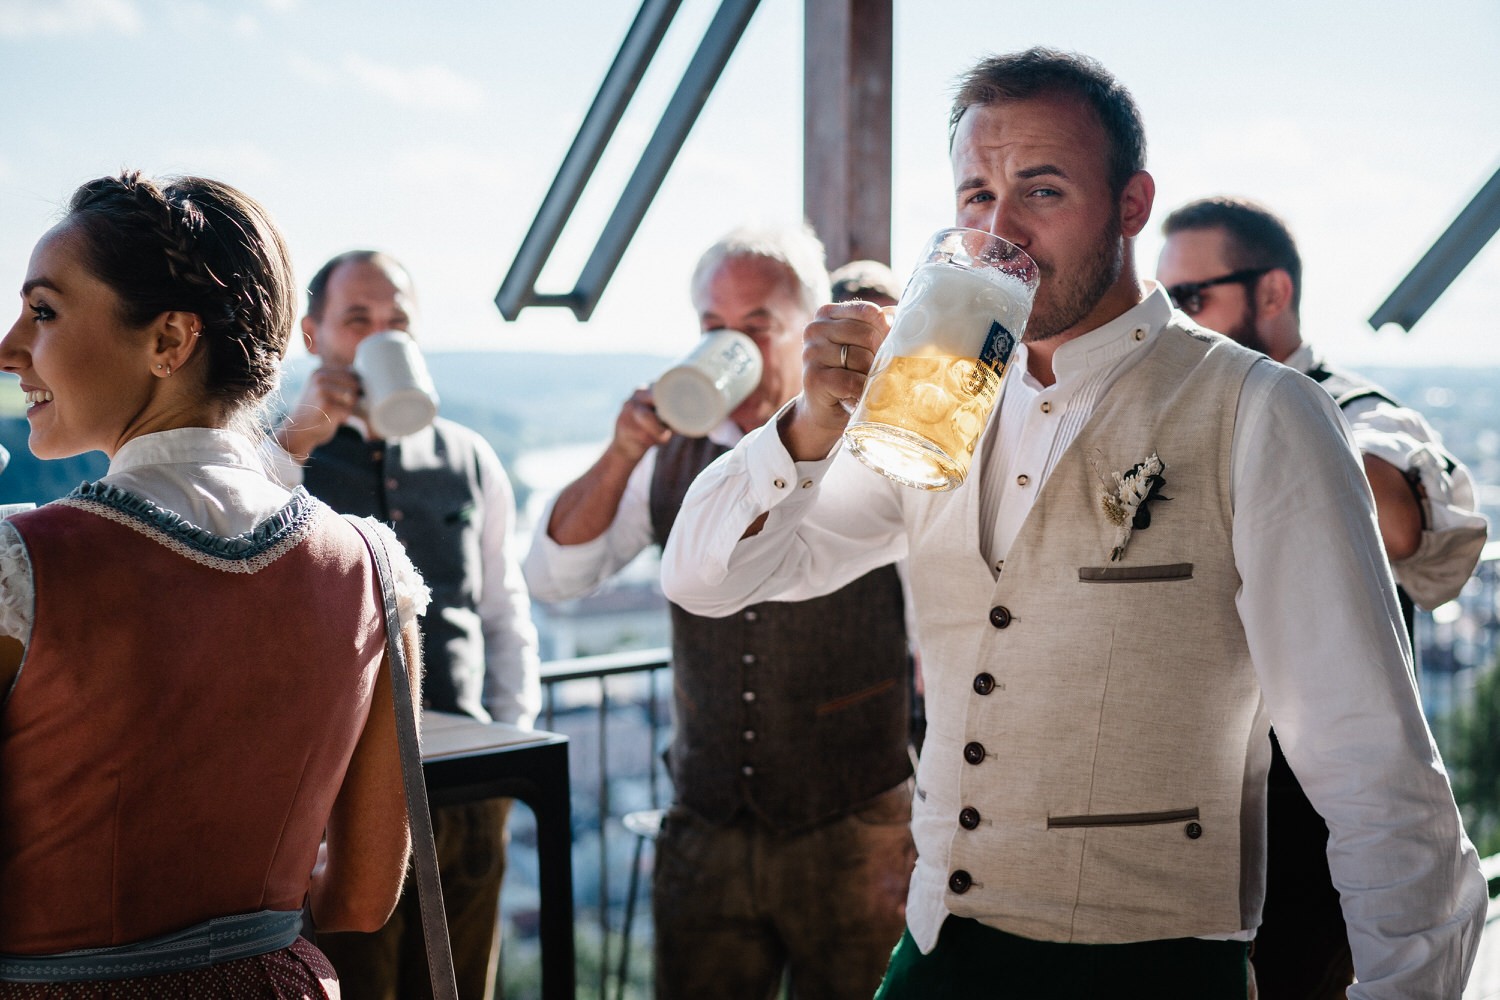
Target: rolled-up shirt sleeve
828, 523
1325, 635
559, 572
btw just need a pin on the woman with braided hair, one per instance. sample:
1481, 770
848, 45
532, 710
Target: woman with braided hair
197, 731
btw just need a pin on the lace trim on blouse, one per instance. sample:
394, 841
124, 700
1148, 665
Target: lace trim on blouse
249, 552
412, 593
16, 591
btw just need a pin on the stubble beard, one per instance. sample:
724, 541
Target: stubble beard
1077, 298
1244, 332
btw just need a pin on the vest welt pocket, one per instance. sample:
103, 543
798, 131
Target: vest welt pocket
1135, 574
1121, 819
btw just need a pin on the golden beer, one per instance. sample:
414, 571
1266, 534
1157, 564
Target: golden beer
921, 418
936, 378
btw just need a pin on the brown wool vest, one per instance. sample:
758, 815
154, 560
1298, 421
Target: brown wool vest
796, 712
178, 732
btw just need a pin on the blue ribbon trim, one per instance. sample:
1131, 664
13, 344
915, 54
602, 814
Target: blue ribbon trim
223, 939
293, 517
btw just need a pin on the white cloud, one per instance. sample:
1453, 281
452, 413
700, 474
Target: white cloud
31, 18
433, 87
312, 70
246, 26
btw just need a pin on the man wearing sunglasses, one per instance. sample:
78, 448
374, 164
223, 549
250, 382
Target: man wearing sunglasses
1233, 266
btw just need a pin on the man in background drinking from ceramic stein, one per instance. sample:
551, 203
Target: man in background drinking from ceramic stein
787, 844
443, 490
1090, 811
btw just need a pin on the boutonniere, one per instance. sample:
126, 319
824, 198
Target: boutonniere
1126, 506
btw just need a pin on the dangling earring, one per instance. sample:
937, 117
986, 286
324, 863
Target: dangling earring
169, 371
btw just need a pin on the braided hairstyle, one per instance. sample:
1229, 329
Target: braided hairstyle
195, 245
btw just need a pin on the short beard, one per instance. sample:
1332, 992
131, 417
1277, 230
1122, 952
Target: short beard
1244, 332
1078, 298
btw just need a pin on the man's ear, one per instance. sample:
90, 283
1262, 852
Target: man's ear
1135, 203
1273, 293
310, 334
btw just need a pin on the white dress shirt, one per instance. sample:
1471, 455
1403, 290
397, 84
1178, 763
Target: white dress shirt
558, 572
1453, 530
1327, 645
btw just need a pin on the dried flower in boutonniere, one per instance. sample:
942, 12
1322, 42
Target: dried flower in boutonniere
1126, 506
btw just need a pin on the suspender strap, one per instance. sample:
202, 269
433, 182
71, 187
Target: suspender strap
1344, 389
424, 847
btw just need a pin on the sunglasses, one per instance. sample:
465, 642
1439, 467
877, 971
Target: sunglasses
1188, 296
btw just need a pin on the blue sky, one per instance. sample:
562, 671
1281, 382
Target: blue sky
434, 135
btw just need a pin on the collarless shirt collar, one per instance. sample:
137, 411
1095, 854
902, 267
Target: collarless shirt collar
1105, 346
1036, 423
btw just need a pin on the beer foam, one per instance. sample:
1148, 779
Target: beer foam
948, 310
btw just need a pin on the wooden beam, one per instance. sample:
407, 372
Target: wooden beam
846, 186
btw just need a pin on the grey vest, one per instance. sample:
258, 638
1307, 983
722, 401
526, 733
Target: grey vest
427, 487
794, 712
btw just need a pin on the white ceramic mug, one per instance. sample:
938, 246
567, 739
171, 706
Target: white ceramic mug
400, 398
695, 395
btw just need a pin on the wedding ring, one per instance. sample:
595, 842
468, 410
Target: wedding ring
843, 355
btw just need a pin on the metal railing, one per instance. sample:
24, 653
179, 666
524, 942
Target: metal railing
585, 698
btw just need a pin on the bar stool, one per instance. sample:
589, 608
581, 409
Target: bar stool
645, 824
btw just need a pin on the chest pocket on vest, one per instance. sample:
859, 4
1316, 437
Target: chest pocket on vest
1163, 573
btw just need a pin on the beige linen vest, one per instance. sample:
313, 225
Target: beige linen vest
1095, 761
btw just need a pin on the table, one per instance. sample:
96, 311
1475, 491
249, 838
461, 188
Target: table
464, 760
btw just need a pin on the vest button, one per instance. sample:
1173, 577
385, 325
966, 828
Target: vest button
747, 695
968, 817
392, 484
1000, 616
779, 483
960, 882
1022, 479
748, 736
750, 616
1193, 831
748, 658
974, 753
984, 684
397, 515
747, 770
1046, 406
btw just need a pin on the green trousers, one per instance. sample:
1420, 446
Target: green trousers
972, 961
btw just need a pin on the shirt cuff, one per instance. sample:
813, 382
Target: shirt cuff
775, 478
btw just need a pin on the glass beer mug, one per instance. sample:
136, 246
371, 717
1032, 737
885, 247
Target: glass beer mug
936, 377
